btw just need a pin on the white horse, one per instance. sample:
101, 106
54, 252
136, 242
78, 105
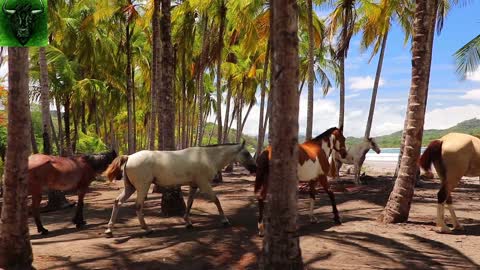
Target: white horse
356, 156
194, 166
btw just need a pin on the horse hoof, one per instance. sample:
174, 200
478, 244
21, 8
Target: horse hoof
80, 225
189, 226
260, 234
459, 228
43, 232
444, 230
148, 231
337, 222
108, 234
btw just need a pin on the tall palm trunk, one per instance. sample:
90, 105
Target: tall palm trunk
227, 110
130, 131
155, 74
261, 130
398, 205
311, 74
223, 11
15, 247
66, 119
281, 247
45, 102
61, 150
33, 140
84, 124
172, 198
375, 86
341, 115
203, 57
54, 135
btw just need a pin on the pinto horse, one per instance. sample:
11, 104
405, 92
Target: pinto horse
453, 155
312, 166
194, 166
64, 173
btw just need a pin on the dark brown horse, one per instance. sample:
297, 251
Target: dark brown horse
313, 167
64, 173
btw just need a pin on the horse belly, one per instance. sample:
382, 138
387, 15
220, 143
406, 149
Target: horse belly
309, 170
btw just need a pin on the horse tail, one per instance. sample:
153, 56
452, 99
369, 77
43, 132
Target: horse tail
114, 171
433, 154
261, 176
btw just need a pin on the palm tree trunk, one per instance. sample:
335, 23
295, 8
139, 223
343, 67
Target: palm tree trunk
201, 83
341, 116
61, 150
311, 74
15, 247
375, 86
130, 135
84, 124
54, 136
33, 139
281, 247
172, 198
155, 74
227, 109
398, 205
261, 130
66, 119
45, 101
223, 11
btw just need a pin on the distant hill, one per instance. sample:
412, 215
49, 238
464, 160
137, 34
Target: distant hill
393, 140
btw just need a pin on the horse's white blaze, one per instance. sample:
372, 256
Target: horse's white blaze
309, 170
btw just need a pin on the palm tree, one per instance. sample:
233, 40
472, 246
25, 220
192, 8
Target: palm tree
311, 73
468, 57
281, 213
344, 16
155, 77
172, 199
398, 205
15, 247
222, 14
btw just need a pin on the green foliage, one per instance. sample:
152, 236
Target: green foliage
250, 141
90, 144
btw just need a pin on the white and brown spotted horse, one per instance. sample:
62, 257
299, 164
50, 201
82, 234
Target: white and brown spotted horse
453, 155
313, 167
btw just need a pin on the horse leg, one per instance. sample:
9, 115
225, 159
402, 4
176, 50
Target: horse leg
141, 195
338, 165
261, 227
191, 197
225, 221
312, 184
456, 224
442, 197
78, 218
324, 183
36, 199
121, 199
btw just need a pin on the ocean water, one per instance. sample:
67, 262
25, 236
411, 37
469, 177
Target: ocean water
387, 154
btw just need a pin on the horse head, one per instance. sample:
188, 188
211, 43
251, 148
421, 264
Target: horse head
373, 145
99, 162
339, 141
245, 158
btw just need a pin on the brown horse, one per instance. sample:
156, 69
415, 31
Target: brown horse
64, 173
454, 155
313, 167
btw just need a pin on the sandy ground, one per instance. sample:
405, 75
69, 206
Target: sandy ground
359, 243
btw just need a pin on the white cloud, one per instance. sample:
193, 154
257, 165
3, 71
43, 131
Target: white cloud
473, 94
361, 83
474, 76
450, 116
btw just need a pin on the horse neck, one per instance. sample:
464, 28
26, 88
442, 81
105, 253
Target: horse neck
326, 144
222, 155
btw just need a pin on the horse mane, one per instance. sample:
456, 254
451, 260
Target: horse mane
99, 162
326, 133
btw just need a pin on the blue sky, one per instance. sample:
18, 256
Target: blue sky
451, 100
